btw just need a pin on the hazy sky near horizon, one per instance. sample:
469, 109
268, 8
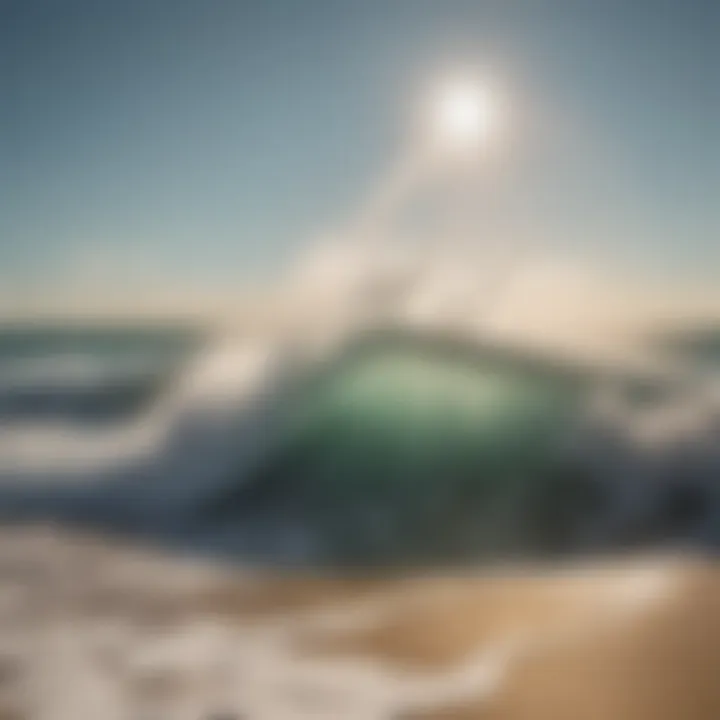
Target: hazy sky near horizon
206, 140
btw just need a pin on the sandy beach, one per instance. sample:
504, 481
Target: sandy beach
95, 629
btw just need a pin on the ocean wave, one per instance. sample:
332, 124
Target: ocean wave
452, 455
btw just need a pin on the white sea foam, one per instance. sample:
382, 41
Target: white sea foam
105, 668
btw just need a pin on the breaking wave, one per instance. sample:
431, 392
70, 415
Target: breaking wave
394, 451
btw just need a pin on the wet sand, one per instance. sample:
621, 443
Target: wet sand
93, 629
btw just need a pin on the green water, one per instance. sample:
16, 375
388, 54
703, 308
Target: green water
408, 454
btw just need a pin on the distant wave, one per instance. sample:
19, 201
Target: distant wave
83, 376
70, 371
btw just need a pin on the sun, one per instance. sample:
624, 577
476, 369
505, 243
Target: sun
463, 115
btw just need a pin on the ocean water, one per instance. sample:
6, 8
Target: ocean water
403, 457
86, 374
400, 454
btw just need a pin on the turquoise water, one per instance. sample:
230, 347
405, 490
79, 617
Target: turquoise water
410, 454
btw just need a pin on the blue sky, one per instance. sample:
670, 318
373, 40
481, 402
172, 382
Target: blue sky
210, 139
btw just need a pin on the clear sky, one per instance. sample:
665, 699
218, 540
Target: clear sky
211, 138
